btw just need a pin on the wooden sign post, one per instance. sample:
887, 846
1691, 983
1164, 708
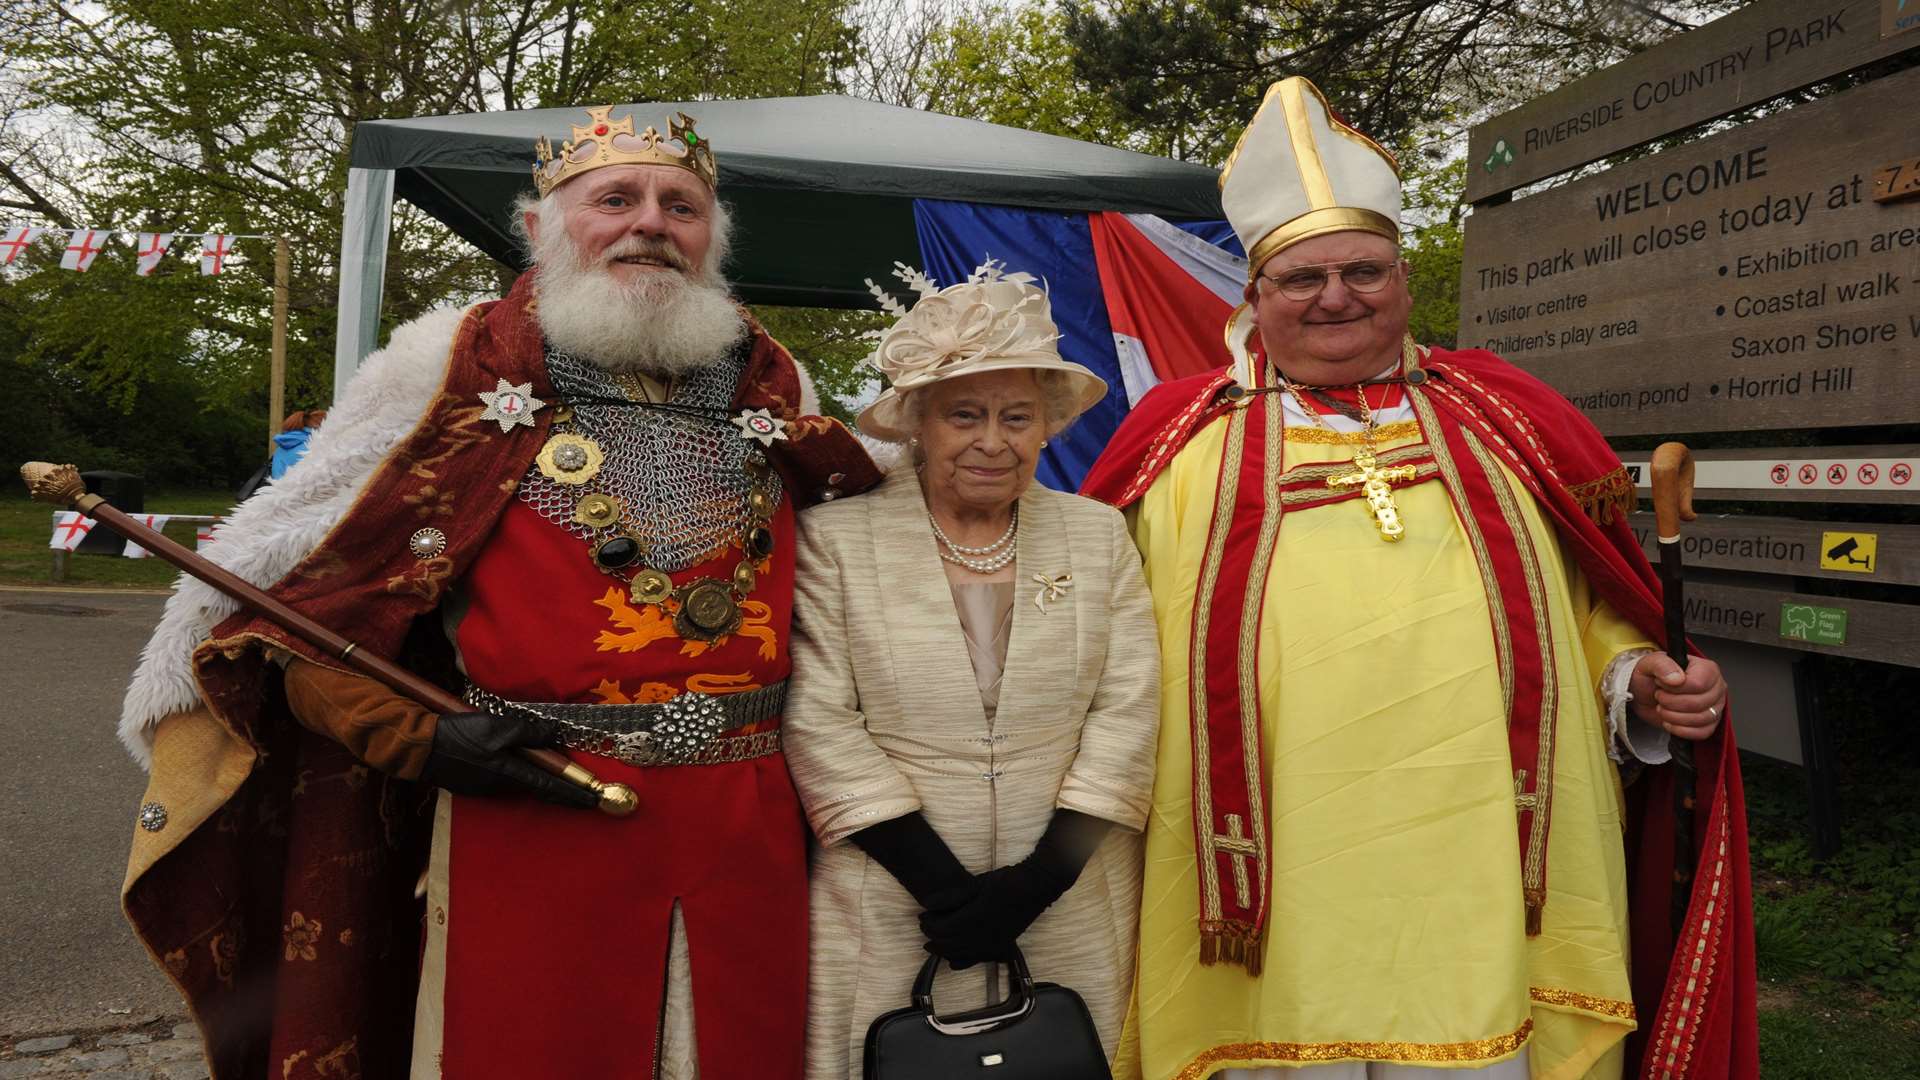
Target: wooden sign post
1758, 277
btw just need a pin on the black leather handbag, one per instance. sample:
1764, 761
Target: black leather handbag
1041, 1032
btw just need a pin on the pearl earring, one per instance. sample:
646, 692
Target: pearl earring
1043, 444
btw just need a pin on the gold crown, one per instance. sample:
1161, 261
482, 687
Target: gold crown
605, 141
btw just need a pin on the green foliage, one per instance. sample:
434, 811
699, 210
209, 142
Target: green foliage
1188, 75
1002, 64
1849, 928
832, 345
1432, 240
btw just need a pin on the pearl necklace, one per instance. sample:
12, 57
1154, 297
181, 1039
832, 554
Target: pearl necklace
981, 560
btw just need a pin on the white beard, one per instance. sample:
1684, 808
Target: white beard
665, 323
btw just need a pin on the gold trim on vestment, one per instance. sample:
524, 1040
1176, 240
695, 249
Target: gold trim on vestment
1533, 869
1573, 999
1606, 497
1680, 1024
1399, 429
1256, 1054
1225, 495
1249, 658
1331, 219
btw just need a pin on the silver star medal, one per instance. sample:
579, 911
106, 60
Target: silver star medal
760, 424
510, 404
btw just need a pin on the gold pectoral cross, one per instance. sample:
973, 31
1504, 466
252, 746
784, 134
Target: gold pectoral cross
1376, 483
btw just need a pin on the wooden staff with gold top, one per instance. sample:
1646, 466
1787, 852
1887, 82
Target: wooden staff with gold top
60, 485
1672, 469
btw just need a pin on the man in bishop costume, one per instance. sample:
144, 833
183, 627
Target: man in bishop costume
574, 506
1412, 815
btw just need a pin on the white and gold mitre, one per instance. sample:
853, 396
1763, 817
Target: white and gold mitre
1299, 171
605, 141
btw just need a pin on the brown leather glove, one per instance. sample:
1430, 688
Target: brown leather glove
386, 730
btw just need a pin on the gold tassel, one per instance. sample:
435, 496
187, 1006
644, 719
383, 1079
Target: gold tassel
1607, 498
1536, 909
1233, 943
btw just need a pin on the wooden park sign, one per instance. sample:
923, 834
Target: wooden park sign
1834, 625
1747, 281
1839, 550
1759, 52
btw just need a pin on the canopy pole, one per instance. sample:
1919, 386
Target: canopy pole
363, 270
277, 359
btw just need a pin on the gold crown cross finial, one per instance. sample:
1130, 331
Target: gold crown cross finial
601, 126
605, 141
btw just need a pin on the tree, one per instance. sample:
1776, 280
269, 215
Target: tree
1190, 74
238, 116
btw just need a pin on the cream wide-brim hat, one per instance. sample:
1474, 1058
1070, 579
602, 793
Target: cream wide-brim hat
993, 321
883, 418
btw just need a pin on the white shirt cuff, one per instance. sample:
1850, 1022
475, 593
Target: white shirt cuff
1648, 743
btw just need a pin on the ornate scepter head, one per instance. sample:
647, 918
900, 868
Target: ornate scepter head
59, 485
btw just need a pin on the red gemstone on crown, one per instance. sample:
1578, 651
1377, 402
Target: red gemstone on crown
599, 129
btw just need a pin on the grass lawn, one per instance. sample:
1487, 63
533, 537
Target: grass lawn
1838, 943
25, 526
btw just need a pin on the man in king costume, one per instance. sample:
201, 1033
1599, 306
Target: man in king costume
574, 507
1409, 651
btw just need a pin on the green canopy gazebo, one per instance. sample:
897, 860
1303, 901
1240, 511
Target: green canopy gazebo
822, 189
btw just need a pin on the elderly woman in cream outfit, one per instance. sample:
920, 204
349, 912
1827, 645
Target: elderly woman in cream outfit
973, 705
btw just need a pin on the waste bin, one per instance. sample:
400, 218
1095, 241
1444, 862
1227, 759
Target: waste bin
126, 492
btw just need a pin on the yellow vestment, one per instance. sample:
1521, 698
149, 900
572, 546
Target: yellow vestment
1396, 931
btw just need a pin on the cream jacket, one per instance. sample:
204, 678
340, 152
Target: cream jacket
884, 718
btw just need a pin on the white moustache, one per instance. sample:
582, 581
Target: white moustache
658, 252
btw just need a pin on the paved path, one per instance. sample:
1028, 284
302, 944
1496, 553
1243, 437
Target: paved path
72, 967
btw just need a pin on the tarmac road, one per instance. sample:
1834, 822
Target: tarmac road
68, 795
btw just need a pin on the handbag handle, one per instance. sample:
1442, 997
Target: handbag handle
1018, 1004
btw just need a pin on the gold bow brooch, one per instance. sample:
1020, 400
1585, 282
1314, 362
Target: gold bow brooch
1051, 589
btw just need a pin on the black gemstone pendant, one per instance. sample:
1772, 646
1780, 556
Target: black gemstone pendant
615, 552
760, 542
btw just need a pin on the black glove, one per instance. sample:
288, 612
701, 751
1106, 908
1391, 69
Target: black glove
1011, 897
473, 754
919, 860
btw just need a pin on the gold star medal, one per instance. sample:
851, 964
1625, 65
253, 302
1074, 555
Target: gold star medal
510, 404
760, 424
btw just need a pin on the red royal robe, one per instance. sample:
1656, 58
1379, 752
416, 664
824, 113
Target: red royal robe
1694, 991
287, 917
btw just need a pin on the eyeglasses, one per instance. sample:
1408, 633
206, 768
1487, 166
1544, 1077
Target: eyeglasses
1305, 282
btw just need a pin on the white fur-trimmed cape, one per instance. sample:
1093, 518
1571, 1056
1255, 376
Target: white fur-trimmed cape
269, 534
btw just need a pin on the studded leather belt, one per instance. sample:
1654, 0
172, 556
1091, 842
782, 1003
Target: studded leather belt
685, 730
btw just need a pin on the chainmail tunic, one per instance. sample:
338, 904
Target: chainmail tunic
678, 470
